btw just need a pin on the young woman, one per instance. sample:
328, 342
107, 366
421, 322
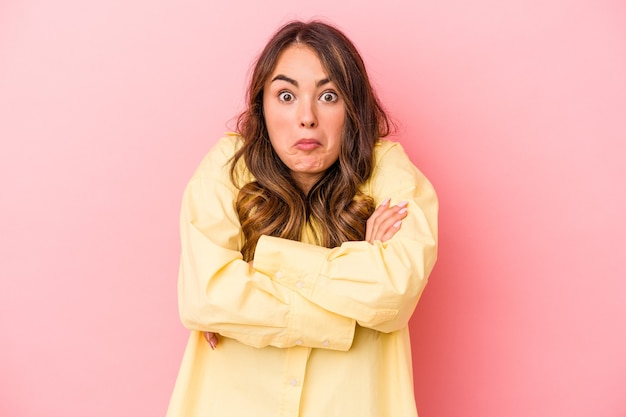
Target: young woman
307, 240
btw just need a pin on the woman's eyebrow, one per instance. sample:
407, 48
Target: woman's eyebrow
322, 82
285, 78
295, 83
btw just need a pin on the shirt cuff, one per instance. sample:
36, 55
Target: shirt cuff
293, 264
312, 326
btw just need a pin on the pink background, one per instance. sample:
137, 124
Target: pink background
516, 110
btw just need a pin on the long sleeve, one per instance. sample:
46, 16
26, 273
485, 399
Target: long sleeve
376, 284
219, 292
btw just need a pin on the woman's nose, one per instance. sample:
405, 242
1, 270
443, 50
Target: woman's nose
308, 116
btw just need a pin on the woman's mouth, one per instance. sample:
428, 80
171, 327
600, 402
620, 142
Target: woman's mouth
307, 144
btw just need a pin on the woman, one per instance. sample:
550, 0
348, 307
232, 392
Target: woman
306, 243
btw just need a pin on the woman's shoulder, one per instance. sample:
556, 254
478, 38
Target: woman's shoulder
218, 159
389, 151
225, 148
391, 162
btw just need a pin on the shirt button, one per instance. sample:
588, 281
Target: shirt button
325, 343
279, 275
293, 382
299, 284
298, 342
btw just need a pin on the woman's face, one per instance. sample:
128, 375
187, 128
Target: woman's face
304, 114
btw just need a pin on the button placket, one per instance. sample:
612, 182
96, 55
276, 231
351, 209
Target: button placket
296, 361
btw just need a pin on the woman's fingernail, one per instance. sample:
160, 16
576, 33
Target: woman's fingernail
402, 203
397, 224
402, 210
385, 202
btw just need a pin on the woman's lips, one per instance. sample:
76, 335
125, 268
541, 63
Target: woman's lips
307, 144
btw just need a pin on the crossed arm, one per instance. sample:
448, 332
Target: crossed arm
297, 292
382, 225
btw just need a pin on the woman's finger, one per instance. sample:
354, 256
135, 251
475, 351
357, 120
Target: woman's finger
211, 338
372, 224
388, 223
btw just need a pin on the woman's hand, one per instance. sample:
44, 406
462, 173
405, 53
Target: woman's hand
385, 221
211, 338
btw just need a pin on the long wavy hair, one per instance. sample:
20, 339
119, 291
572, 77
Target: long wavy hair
273, 204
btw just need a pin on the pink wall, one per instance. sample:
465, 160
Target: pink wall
516, 110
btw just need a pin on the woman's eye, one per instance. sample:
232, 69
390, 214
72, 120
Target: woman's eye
285, 96
329, 97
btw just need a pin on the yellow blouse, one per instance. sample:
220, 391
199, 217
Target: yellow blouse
310, 331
